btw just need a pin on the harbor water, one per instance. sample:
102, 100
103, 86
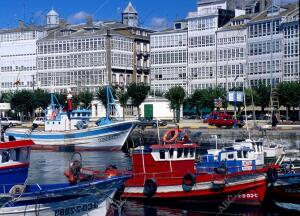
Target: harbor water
49, 167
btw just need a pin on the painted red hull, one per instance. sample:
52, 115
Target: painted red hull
248, 191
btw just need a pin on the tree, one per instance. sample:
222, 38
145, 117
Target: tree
289, 95
262, 95
102, 94
41, 99
6, 97
138, 93
85, 97
176, 97
23, 102
204, 98
196, 100
123, 98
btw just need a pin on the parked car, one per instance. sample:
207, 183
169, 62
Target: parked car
220, 119
263, 117
39, 121
8, 121
151, 122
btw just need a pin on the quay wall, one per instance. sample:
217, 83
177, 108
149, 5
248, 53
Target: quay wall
289, 138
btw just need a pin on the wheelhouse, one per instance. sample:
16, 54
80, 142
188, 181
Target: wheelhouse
15, 152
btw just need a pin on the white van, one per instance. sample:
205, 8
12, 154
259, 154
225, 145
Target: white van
39, 121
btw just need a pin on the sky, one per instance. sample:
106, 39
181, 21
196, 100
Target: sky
153, 13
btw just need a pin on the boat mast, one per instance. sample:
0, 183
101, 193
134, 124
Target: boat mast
272, 65
107, 102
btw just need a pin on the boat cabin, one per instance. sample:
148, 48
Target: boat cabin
233, 160
175, 158
58, 120
256, 146
14, 162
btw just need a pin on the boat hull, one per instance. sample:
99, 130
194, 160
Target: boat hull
106, 137
11, 175
249, 191
89, 199
286, 188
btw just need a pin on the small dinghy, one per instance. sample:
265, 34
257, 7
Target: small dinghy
87, 193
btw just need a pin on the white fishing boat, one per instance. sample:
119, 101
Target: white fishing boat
69, 129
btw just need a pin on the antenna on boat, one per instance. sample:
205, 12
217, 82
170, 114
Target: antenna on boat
247, 127
157, 128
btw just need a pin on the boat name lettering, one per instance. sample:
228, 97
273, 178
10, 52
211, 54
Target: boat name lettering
248, 195
288, 190
106, 138
76, 209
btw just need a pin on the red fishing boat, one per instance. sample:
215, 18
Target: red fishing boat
167, 171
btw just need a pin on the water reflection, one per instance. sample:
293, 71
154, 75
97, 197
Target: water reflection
49, 167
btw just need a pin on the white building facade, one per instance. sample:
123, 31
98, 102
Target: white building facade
264, 45
169, 58
229, 44
232, 53
18, 57
291, 31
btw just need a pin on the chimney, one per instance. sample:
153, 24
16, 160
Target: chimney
62, 23
89, 21
262, 5
21, 24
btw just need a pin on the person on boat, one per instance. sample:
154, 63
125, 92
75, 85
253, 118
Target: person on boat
274, 121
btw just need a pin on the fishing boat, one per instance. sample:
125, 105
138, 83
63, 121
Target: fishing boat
167, 171
68, 129
88, 192
85, 198
14, 162
285, 191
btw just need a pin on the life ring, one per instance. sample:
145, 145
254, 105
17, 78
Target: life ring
150, 187
272, 175
188, 182
171, 135
17, 189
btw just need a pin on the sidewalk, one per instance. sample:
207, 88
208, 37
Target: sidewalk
198, 124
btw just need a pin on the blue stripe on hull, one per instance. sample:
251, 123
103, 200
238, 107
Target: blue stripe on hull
73, 134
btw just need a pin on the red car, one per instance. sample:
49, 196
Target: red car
220, 119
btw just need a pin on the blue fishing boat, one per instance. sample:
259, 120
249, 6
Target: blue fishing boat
88, 192
14, 162
285, 191
85, 198
69, 129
